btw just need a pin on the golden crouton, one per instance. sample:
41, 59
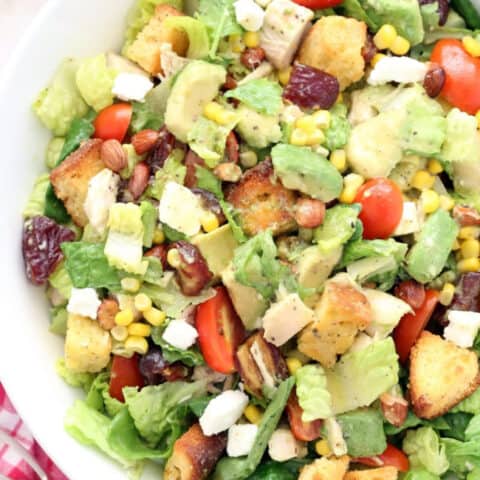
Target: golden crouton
70, 179
262, 202
145, 50
441, 375
87, 345
334, 45
384, 473
325, 469
342, 312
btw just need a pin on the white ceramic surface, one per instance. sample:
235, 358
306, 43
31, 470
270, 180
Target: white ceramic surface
27, 350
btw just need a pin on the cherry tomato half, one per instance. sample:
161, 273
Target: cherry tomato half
319, 3
113, 122
303, 431
462, 75
220, 331
412, 324
382, 207
391, 457
125, 373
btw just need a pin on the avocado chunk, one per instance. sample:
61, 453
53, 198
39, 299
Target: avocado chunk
258, 130
315, 266
248, 303
308, 172
198, 84
217, 248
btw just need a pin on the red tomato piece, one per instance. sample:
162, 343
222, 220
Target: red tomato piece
303, 431
412, 324
462, 75
125, 373
319, 3
382, 207
113, 122
220, 331
391, 457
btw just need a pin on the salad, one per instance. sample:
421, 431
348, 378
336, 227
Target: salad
259, 235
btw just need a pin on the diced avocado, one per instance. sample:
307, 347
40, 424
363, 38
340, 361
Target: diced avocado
428, 256
198, 84
301, 169
217, 248
369, 102
314, 266
258, 130
248, 303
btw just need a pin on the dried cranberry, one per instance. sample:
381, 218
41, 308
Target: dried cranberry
155, 369
209, 202
230, 83
467, 296
162, 149
443, 9
42, 238
311, 88
369, 50
191, 161
193, 274
411, 292
233, 148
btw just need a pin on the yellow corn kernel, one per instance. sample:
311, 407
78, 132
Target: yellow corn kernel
316, 137
118, 348
447, 293
430, 201
376, 58
131, 285
307, 124
322, 119
456, 245
472, 46
173, 258
468, 265
446, 203
143, 302
158, 236
422, 180
339, 98
477, 116
338, 158
434, 167
248, 159
154, 316
236, 43
124, 317
284, 75
225, 117
293, 365
136, 344
209, 222
400, 46
470, 248
468, 232
212, 110
138, 329
119, 333
352, 183
298, 138
385, 37
251, 39
323, 448
253, 414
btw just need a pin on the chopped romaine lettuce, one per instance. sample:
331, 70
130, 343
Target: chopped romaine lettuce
36, 201
262, 95
470, 405
58, 321
191, 357
373, 248
420, 474
60, 280
354, 9
230, 215
144, 117
149, 220
132, 159
99, 397
74, 379
336, 135
208, 181
55, 146
173, 171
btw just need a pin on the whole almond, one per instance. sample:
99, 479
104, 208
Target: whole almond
144, 141
139, 180
113, 155
106, 313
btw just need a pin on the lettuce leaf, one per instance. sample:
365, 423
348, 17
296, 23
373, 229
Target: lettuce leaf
58, 321
36, 202
462, 456
420, 474
191, 357
149, 220
471, 404
144, 117
132, 160
60, 280
373, 248
173, 171
54, 148
74, 379
313, 395
199, 43
208, 181
262, 95
230, 215
99, 398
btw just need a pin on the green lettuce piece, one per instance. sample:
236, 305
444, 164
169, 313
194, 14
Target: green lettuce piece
132, 160
160, 412
88, 267
373, 248
336, 135
338, 227
262, 95
95, 82
74, 379
58, 321
425, 450
90, 427
60, 280
279, 471
231, 217
420, 474
462, 456
430, 16
354, 9
60, 103
312, 393
54, 148
458, 424
471, 404
99, 398
140, 15
199, 43
171, 234
154, 273
191, 357
149, 220
199, 405
359, 378
242, 468
208, 181
36, 202
363, 432
143, 117
173, 170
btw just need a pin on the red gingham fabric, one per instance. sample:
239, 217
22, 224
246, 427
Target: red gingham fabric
11, 465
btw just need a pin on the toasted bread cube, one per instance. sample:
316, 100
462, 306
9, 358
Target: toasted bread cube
384, 473
342, 312
334, 45
441, 375
325, 469
87, 345
262, 202
70, 179
145, 50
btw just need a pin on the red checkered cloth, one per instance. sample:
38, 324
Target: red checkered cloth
11, 464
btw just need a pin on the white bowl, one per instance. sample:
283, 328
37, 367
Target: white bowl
27, 350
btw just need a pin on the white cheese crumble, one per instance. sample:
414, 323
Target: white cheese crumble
249, 15
241, 439
283, 446
397, 69
131, 86
180, 334
462, 328
84, 302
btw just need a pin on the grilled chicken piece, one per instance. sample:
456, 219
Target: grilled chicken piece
194, 455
